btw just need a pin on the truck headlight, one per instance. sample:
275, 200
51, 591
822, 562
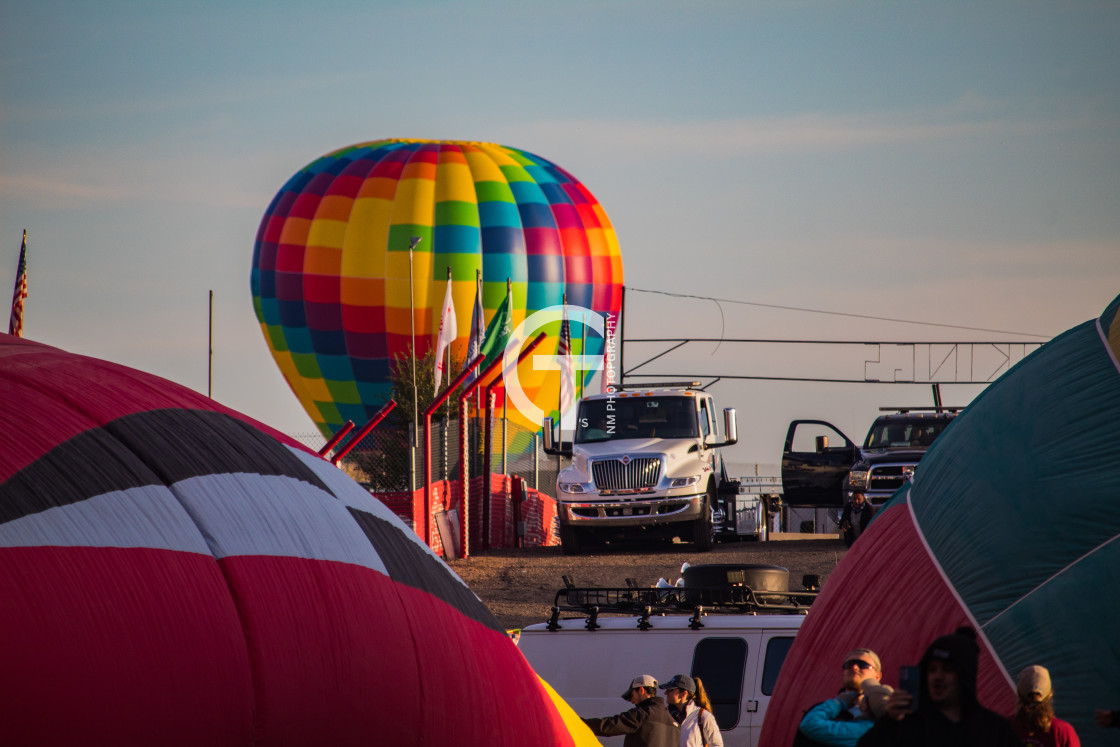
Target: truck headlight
684, 482
574, 487
858, 478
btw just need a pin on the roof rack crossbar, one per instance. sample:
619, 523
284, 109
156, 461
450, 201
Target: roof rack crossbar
659, 385
596, 601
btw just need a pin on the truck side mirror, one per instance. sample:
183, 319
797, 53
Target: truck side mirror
550, 446
728, 428
547, 434
822, 444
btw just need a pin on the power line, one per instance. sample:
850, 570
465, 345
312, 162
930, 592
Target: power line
833, 313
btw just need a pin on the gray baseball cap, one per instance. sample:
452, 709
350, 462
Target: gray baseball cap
681, 681
642, 680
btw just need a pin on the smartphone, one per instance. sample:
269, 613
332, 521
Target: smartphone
910, 680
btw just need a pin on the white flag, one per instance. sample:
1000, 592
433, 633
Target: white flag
448, 327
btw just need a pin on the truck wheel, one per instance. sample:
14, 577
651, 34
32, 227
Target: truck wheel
702, 529
569, 540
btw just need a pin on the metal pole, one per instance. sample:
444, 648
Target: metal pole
582, 352
415, 430
621, 339
412, 324
210, 351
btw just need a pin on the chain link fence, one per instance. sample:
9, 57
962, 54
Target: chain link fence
381, 460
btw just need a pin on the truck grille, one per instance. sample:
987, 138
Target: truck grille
612, 474
888, 477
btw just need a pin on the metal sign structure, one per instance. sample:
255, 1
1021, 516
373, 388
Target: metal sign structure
870, 362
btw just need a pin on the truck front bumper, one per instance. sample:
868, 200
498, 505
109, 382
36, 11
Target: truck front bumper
622, 512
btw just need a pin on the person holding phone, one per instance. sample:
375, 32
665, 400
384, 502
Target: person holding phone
947, 710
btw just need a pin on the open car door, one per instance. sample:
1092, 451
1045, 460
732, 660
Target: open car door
815, 461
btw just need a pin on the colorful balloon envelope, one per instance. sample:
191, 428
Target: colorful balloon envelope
1011, 526
173, 573
339, 298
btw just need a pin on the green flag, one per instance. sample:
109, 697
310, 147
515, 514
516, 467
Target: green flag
498, 331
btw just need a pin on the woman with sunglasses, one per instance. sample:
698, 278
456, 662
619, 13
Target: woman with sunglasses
689, 705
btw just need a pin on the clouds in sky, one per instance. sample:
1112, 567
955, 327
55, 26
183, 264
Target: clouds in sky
951, 163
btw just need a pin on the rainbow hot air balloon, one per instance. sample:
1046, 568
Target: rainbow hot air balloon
1011, 526
173, 573
331, 268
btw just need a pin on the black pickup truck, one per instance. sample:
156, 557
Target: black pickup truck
821, 465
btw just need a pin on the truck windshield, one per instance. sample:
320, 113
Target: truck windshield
904, 434
636, 417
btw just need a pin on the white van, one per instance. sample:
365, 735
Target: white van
590, 660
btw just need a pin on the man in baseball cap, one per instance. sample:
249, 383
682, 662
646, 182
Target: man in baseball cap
647, 724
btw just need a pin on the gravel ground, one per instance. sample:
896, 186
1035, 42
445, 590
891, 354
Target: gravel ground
519, 585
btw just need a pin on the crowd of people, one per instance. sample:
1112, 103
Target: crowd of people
939, 708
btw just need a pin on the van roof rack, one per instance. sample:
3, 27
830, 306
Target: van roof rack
660, 385
699, 600
904, 410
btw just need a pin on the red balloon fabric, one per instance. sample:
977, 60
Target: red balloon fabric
174, 573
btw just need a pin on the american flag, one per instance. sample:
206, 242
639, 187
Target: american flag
478, 328
567, 370
15, 323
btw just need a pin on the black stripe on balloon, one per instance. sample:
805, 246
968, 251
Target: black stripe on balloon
410, 565
157, 447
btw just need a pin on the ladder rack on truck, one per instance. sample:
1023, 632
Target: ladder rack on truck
730, 600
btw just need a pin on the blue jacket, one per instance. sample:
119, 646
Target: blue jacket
822, 723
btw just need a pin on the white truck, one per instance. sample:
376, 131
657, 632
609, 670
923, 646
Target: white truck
644, 463
733, 633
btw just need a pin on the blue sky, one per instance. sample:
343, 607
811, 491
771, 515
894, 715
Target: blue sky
954, 163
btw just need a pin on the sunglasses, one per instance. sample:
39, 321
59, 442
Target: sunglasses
863, 665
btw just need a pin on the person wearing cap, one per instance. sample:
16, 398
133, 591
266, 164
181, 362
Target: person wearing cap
948, 711
833, 722
1034, 721
689, 705
647, 724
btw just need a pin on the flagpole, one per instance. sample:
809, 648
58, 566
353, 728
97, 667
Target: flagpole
560, 392
582, 352
412, 323
448, 366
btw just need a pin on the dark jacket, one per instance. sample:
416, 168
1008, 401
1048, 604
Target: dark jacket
854, 520
927, 727
647, 724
